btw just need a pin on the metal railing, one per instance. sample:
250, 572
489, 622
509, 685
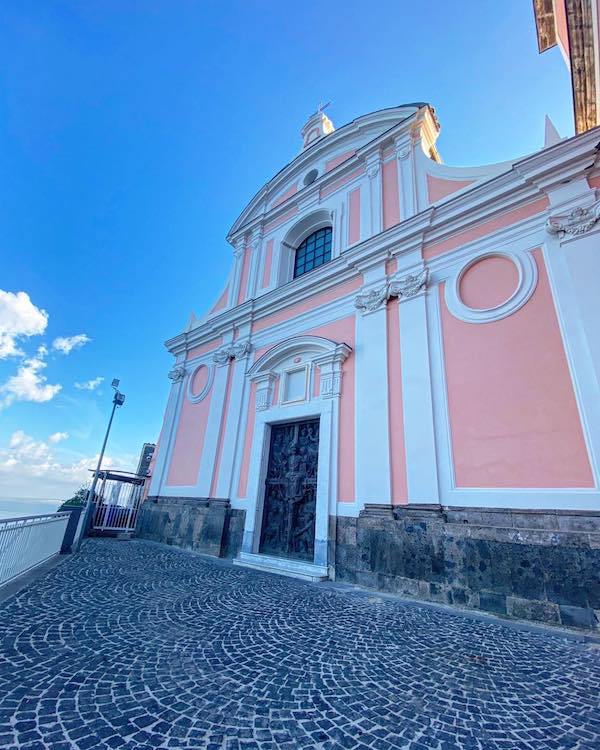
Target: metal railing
117, 501
29, 541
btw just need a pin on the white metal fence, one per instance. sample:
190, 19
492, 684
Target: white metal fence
29, 541
117, 501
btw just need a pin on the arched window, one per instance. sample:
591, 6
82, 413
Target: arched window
313, 251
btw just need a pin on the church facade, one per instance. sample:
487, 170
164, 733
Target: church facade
399, 382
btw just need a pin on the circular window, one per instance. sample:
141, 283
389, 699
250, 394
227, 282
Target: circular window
311, 176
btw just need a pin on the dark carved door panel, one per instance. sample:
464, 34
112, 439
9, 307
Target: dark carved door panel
288, 521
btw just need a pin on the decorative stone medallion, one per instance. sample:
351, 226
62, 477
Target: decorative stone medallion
527, 282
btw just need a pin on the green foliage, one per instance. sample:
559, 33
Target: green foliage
78, 498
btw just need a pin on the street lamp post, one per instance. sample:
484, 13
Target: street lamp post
118, 400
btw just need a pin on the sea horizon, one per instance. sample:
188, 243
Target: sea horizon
15, 507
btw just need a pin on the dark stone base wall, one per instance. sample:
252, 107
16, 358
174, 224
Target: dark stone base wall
533, 565
205, 525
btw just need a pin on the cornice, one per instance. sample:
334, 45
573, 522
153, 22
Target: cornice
316, 151
526, 181
565, 161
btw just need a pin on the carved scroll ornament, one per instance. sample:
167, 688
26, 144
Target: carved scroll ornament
403, 287
409, 285
371, 300
238, 350
577, 222
177, 374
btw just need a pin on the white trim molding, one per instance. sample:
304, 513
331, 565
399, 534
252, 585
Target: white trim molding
326, 411
321, 352
196, 398
526, 284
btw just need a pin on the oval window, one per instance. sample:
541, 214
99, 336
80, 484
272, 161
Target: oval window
311, 177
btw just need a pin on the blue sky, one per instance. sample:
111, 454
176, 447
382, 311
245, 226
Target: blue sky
133, 133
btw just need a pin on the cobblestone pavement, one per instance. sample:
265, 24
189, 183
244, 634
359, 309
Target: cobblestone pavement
137, 645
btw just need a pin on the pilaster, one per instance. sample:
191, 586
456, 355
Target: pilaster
406, 177
573, 265
177, 377
374, 196
234, 433
372, 459
238, 254
417, 401
256, 248
222, 359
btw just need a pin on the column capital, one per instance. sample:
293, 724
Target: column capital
235, 350
407, 285
579, 220
372, 300
176, 374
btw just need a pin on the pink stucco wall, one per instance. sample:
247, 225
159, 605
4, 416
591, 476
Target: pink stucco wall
354, 216
189, 440
275, 395
199, 379
284, 196
391, 199
204, 348
439, 188
337, 160
340, 182
396, 417
594, 180
281, 219
347, 287
489, 282
222, 427
243, 290
266, 276
513, 414
317, 381
433, 249
560, 16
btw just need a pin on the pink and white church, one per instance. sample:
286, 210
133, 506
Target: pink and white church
399, 381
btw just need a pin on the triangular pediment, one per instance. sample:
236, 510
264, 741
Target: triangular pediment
327, 154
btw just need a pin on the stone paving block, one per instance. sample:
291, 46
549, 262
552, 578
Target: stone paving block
149, 646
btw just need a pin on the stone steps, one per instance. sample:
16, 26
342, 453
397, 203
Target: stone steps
283, 566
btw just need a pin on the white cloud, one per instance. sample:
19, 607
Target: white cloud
19, 317
66, 344
30, 468
89, 385
57, 437
29, 384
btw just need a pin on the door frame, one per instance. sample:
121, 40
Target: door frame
260, 508
326, 410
